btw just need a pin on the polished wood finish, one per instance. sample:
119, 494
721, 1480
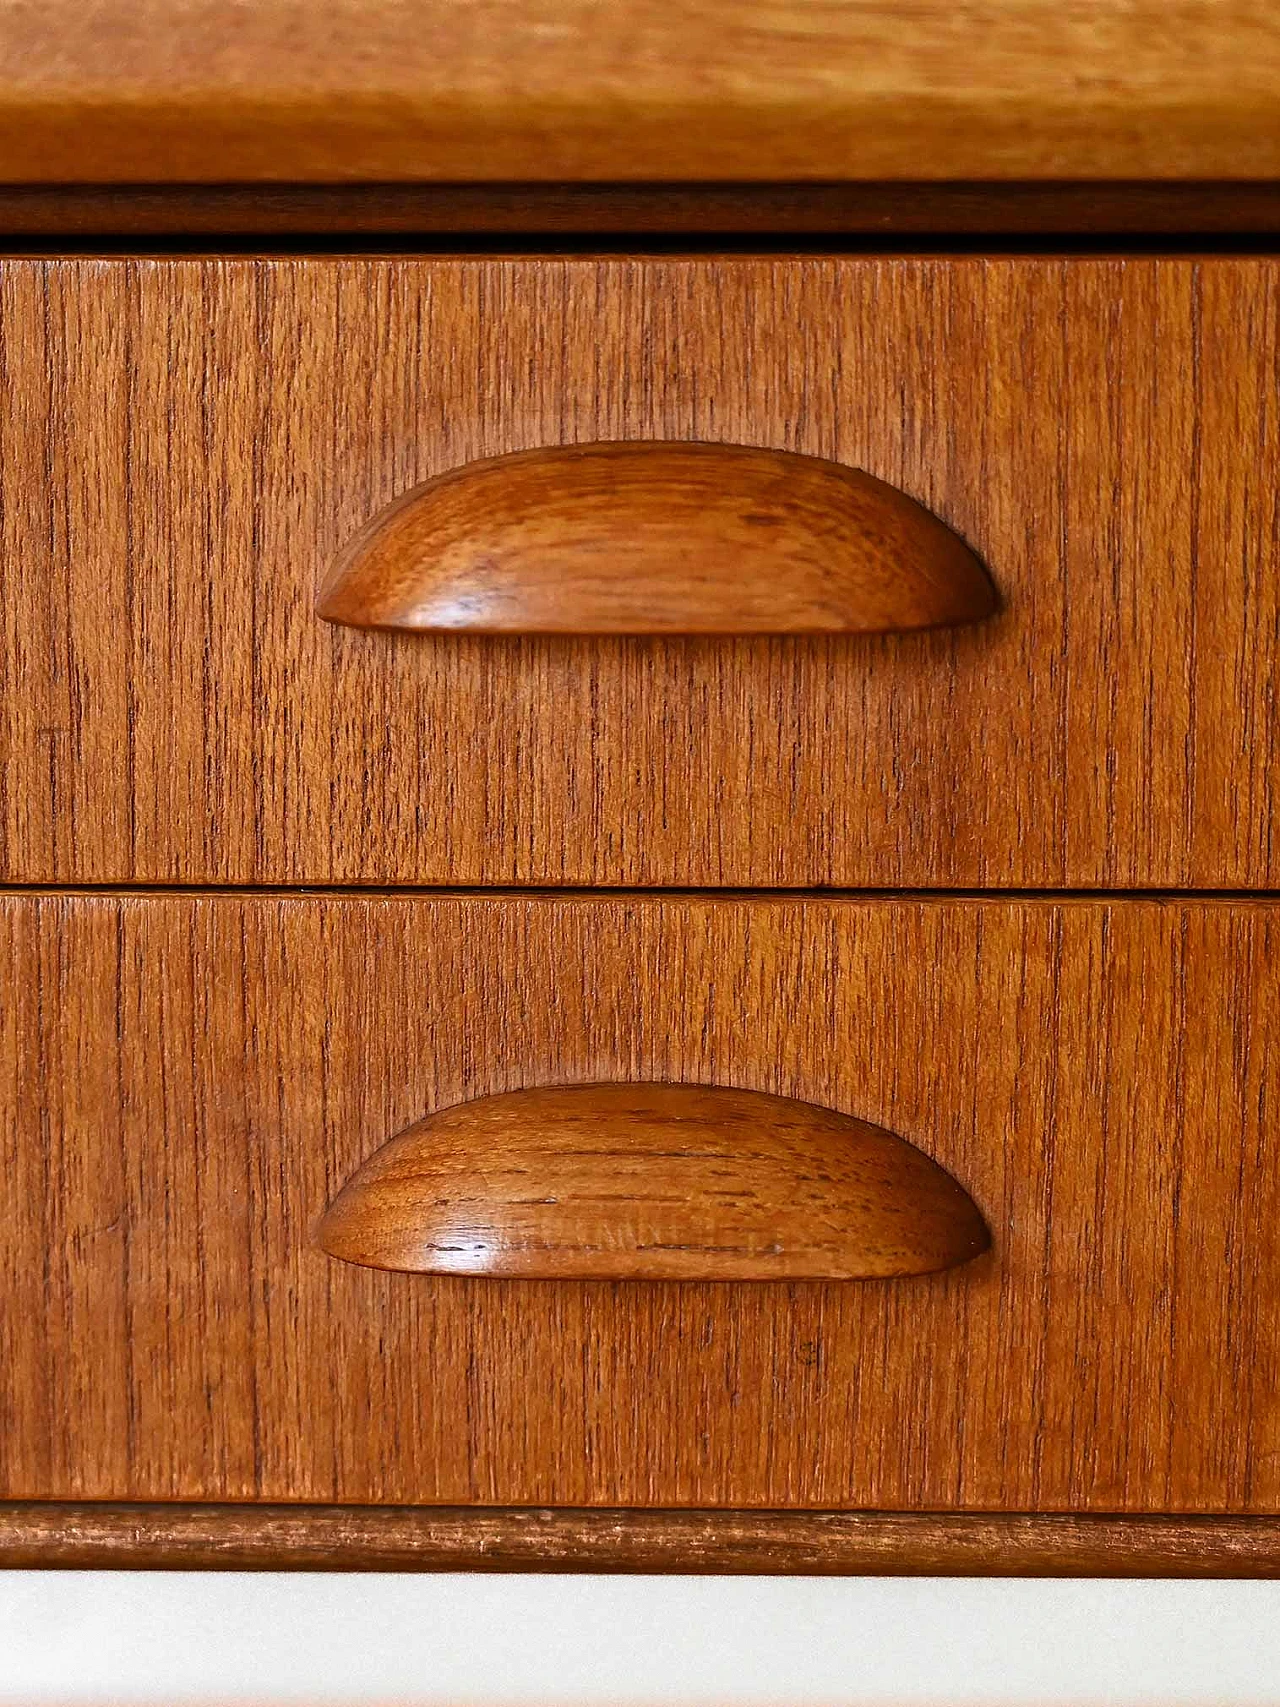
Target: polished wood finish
187, 444
1187, 212
450, 1538
650, 537
201, 90
187, 1081
651, 1182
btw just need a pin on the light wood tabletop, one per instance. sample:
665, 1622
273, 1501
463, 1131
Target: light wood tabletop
203, 91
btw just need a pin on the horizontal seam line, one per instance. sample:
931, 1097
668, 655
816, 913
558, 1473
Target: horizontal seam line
604, 892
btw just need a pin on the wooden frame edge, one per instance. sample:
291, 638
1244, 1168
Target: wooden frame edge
118, 1535
869, 211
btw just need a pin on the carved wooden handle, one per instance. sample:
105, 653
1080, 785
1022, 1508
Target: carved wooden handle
655, 538
651, 1182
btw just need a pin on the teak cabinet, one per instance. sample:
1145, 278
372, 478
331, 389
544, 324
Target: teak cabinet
638, 874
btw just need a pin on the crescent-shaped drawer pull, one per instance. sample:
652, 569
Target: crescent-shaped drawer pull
652, 1182
656, 538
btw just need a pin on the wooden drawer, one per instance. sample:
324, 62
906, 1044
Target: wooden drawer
187, 1080
187, 442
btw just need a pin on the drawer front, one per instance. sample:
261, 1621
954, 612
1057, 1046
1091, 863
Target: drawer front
187, 1081
187, 443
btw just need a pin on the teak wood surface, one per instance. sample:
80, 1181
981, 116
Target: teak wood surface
172, 1536
204, 90
650, 537
187, 444
651, 1182
187, 1080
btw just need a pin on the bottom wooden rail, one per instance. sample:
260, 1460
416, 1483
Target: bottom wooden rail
454, 1538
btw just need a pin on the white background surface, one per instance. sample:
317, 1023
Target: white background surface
554, 1641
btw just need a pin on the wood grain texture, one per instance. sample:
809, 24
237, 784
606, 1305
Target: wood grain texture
651, 1182
62, 1535
188, 443
186, 1081
202, 90
654, 537
701, 211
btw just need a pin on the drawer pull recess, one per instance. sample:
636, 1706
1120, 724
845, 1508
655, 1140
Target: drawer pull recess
651, 1182
656, 538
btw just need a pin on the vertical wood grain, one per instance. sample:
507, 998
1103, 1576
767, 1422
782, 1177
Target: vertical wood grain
186, 1081
188, 442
